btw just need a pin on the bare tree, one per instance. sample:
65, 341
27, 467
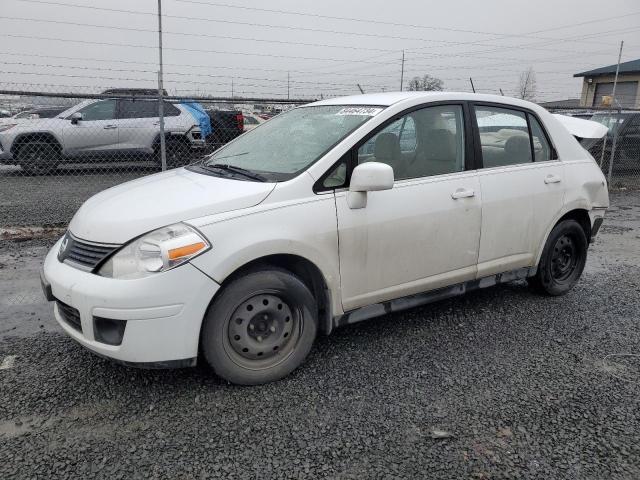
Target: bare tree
527, 85
426, 84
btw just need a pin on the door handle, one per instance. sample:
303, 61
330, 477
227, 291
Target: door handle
110, 127
552, 179
463, 193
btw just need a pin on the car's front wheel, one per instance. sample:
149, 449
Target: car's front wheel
563, 259
260, 327
38, 158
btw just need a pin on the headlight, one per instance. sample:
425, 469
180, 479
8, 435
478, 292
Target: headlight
7, 126
157, 251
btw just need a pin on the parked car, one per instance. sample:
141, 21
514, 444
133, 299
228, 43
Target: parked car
251, 121
225, 126
109, 129
626, 126
294, 229
35, 113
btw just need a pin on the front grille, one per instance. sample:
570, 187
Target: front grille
70, 315
84, 254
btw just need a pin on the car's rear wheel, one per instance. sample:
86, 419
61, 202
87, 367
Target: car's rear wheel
260, 327
38, 158
178, 153
563, 259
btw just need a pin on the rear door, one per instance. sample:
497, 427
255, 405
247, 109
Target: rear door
522, 186
139, 124
423, 233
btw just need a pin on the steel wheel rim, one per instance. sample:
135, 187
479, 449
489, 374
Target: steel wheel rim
564, 258
262, 331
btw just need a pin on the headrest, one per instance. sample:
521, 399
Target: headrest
440, 145
518, 149
387, 147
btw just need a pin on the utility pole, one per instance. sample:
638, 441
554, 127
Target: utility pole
231, 87
472, 87
287, 85
615, 131
402, 71
163, 146
501, 92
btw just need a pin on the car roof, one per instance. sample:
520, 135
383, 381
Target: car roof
387, 99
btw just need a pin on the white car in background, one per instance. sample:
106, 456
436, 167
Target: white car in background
299, 227
251, 121
109, 129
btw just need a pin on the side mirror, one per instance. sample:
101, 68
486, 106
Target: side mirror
368, 177
76, 117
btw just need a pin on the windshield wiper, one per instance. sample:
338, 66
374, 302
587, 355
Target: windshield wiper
231, 156
238, 170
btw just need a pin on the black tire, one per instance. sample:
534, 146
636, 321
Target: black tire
260, 327
38, 158
178, 152
563, 259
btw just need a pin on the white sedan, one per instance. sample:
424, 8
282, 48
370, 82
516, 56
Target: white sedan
328, 214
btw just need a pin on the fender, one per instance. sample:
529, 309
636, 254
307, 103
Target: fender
240, 240
22, 137
578, 204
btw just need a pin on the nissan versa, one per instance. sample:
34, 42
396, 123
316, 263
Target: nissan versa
328, 214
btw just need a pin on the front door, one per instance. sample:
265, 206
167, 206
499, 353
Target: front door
423, 233
96, 133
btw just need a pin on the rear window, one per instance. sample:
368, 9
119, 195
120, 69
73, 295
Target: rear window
612, 122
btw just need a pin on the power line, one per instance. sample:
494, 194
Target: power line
141, 62
205, 35
128, 70
224, 52
431, 55
397, 24
274, 41
265, 25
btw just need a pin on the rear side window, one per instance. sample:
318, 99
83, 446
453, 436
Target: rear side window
504, 136
541, 149
145, 109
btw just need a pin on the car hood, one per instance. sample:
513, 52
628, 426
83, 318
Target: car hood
126, 211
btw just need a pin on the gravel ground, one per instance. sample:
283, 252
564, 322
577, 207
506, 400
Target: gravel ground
53, 199
501, 383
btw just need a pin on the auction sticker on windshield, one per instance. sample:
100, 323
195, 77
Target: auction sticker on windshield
370, 111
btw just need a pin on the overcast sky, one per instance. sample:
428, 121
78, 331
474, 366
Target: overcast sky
86, 49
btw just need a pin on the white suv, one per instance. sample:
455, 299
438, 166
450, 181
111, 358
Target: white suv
124, 129
328, 214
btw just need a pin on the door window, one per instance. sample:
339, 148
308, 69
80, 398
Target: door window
504, 136
541, 148
145, 109
425, 142
102, 110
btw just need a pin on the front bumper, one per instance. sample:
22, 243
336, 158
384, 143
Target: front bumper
163, 312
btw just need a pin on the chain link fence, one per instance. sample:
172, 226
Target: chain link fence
618, 153
58, 149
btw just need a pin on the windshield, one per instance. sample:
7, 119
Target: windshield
611, 121
290, 142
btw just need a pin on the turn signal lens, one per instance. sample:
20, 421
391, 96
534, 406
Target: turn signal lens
186, 251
